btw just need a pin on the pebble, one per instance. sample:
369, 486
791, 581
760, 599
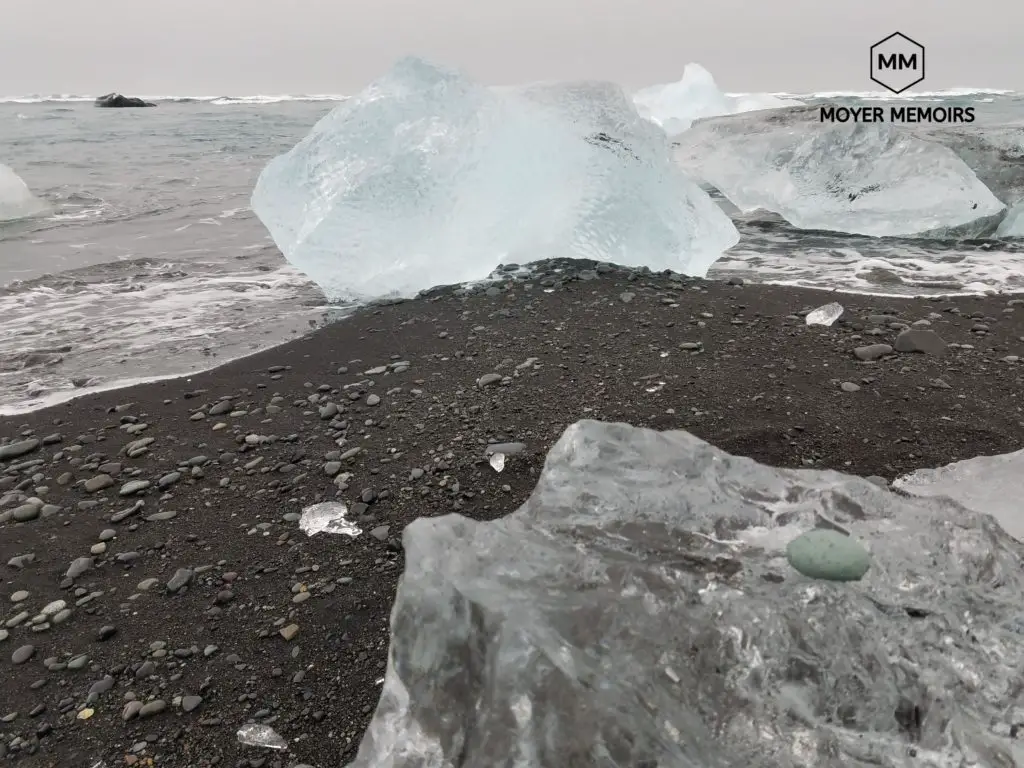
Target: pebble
19, 596
289, 632
25, 512
920, 340
78, 566
98, 483
20, 448
828, 554
189, 703
872, 352
180, 579
134, 486
488, 379
23, 654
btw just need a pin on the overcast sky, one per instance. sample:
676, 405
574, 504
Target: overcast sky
237, 47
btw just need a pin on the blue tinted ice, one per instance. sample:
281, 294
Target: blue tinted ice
426, 178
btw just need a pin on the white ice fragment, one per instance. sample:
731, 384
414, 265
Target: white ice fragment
427, 178
255, 735
498, 461
674, 106
825, 315
327, 517
16, 201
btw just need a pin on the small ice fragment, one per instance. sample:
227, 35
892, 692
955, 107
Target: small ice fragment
328, 517
255, 735
498, 461
825, 315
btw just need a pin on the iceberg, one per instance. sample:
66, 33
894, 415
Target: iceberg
16, 200
875, 179
426, 178
1012, 224
639, 610
675, 106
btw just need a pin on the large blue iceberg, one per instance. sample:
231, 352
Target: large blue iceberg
427, 178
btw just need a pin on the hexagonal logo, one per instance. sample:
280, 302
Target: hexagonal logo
897, 62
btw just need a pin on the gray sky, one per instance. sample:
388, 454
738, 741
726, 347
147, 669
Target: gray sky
236, 47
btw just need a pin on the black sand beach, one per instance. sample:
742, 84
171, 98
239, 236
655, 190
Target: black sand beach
199, 572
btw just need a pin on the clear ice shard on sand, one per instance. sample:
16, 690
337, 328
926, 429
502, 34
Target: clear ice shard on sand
825, 315
426, 178
875, 179
327, 517
674, 106
257, 735
638, 610
16, 200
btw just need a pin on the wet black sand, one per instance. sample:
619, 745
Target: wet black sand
736, 365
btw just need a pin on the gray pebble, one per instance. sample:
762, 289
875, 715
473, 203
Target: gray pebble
78, 566
23, 654
872, 351
20, 448
98, 483
180, 579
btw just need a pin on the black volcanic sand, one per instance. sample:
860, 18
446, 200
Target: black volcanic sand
190, 584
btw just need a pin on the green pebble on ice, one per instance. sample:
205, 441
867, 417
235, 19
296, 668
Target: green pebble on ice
828, 554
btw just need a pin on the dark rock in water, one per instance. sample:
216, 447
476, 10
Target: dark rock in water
116, 100
637, 610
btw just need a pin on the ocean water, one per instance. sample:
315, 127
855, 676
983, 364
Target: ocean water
152, 264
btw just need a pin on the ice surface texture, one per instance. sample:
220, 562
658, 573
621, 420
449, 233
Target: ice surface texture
674, 106
873, 179
16, 201
638, 610
426, 178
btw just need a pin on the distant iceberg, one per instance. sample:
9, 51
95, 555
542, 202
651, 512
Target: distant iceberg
426, 178
875, 179
16, 200
675, 106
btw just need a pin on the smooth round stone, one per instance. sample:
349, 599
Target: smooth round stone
19, 596
827, 554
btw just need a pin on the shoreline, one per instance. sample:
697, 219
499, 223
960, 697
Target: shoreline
187, 603
57, 397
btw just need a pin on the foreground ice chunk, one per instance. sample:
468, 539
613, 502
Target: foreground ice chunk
16, 201
873, 179
825, 315
990, 484
638, 610
674, 106
427, 178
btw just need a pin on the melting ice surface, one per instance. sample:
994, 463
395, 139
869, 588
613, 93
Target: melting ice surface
638, 610
875, 179
674, 106
16, 201
426, 178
